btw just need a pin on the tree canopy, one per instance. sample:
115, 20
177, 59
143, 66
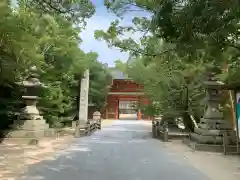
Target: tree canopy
45, 34
180, 41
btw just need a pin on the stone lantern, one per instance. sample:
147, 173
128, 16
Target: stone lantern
30, 123
212, 125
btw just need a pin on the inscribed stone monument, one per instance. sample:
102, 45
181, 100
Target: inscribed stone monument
83, 104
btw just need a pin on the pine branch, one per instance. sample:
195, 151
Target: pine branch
141, 52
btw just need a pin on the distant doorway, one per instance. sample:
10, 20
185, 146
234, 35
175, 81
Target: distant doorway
127, 110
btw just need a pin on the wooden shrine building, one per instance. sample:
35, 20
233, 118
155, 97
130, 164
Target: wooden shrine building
124, 98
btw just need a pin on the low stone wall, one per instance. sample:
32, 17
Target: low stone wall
165, 132
91, 127
231, 149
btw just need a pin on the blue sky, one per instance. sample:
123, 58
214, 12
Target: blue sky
102, 20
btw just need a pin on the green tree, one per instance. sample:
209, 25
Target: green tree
180, 40
100, 79
45, 34
76, 11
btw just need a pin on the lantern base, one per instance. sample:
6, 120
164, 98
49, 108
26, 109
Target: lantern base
31, 134
29, 128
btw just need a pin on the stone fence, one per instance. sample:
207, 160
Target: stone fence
167, 129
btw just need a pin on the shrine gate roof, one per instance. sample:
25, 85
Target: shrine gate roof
116, 74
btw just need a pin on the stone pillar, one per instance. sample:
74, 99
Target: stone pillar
30, 124
82, 122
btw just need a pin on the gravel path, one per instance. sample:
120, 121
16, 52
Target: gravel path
123, 150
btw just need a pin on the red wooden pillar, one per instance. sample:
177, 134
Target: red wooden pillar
116, 109
139, 114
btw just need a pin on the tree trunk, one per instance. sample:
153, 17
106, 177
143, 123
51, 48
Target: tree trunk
188, 123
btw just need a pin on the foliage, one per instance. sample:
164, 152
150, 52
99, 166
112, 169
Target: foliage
45, 34
119, 65
72, 10
166, 85
180, 41
100, 79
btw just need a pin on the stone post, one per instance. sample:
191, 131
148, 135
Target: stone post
96, 116
82, 123
97, 119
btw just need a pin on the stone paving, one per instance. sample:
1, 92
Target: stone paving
16, 155
215, 165
121, 151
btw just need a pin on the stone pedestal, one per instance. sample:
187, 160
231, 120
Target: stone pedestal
30, 124
30, 129
212, 126
84, 128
